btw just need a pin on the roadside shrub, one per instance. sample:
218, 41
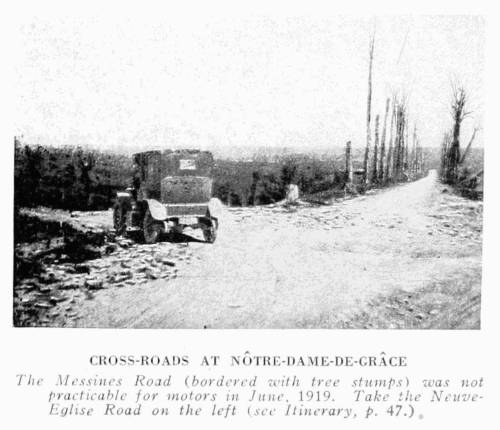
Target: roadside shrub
79, 179
68, 178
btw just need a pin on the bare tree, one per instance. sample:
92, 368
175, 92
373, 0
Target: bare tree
406, 145
366, 175
375, 151
389, 162
413, 155
348, 163
382, 143
398, 163
458, 112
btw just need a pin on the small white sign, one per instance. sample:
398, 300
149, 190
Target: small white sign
187, 164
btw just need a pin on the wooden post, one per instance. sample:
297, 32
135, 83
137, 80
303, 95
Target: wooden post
366, 175
348, 163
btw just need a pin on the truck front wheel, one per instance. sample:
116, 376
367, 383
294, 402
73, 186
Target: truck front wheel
119, 218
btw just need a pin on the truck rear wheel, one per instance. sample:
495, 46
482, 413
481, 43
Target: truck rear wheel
151, 228
210, 231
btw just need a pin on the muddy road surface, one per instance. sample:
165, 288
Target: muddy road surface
403, 257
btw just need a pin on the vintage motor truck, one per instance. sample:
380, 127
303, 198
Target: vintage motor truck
171, 190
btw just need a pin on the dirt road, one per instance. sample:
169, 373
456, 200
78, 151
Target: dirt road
405, 257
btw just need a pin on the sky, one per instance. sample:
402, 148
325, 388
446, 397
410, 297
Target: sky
298, 82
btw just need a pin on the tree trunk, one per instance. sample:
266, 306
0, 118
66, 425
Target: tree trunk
348, 163
421, 159
413, 154
366, 175
459, 113
407, 145
388, 164
454, 154
467, 149
382, 143
375, 151
444, 155
398, 144
402, 146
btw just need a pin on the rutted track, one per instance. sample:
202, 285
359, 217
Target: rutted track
405, 257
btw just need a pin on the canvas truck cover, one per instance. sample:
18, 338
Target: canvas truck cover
187, 163
181, 176
187, 177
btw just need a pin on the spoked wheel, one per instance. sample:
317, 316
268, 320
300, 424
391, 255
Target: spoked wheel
210, 231
152, 229
119, 218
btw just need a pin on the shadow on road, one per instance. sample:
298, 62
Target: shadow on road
180, 238
167, 237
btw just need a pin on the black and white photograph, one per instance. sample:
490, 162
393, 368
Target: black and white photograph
260, 172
